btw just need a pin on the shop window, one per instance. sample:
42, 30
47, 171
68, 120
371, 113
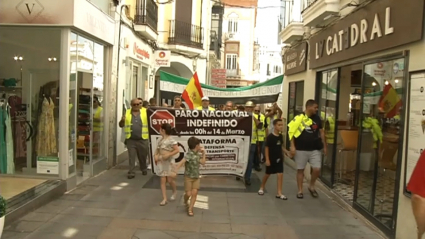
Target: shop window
295, 102
383, 100
29, 107
87, 114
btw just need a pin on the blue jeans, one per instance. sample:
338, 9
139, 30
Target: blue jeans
251, 157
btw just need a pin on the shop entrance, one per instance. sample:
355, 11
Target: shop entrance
360, 106
86, 108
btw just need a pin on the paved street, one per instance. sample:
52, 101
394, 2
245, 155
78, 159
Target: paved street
110, 206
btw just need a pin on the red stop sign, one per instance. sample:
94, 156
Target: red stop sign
160, 117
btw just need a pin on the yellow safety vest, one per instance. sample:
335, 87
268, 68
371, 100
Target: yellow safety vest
330, 133
209, 108
373, 124
98, 126
261, 133
297, 125
143, 117
254, 132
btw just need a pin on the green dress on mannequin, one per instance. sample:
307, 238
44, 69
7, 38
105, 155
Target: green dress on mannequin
10, 167
3, 154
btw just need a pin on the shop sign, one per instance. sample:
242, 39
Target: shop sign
47, 165
295, 59
81, 14
162, 58
140, 53
218, 78
378, 26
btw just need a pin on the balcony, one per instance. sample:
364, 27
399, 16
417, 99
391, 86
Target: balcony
185, 37
318, 12
233, 73
292, 32
146, 18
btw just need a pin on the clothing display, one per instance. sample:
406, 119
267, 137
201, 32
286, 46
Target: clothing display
7, 165
3, 154
46, 135
18, 116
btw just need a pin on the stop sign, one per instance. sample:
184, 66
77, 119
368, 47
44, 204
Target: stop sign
160, 117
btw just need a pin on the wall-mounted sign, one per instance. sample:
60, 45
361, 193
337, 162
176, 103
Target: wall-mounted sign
79, 13
295, 59
140, 53
378, 26
162, 58
218, 78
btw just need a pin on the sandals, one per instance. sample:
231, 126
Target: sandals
283, 197
173, 197
261, 192
300, 196
313, 193
190, 213
163, 203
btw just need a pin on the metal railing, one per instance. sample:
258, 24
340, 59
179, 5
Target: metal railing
146, 13
186, 34
233, 72
306, 4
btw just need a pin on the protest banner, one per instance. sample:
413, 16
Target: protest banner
260, 93
226, 136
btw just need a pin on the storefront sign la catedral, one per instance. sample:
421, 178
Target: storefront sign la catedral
224, 134
140, 53
378, 26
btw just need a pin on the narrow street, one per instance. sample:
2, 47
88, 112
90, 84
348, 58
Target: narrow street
112, 206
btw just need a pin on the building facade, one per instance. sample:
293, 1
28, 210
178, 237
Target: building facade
55, 89
365, 72
171, 37
240, 46
269, 22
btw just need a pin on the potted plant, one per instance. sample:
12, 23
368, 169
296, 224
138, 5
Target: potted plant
2, 213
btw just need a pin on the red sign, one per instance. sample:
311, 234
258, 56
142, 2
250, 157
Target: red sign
140, 53
160, 117
218, 78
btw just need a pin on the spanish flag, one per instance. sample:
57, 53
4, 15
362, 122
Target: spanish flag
389, 103
192, 95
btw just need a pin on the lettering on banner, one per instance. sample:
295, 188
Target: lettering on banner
225, 136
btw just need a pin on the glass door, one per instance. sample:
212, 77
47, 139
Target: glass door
380, 141
328, 98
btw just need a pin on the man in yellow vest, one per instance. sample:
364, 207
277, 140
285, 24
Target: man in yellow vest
135, 123
307, 140
261, 135
228, 106
205, 104
249, 107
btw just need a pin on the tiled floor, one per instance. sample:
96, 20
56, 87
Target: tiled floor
112, 206
12, 186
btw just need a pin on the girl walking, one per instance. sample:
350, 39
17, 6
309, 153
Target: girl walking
167, 148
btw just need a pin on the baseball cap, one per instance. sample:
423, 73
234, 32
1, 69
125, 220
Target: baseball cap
205, 98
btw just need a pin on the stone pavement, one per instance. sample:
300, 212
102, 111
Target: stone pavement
110, 206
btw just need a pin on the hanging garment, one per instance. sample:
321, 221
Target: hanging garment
10, 167
46, 135
3, 155
18, 116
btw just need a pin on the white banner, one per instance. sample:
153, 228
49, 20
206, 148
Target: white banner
230, 158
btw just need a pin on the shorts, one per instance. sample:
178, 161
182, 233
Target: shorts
191, 183
275, 167
314, 158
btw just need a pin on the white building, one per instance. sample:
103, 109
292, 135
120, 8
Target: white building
267, 34
364, 58
240, 49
